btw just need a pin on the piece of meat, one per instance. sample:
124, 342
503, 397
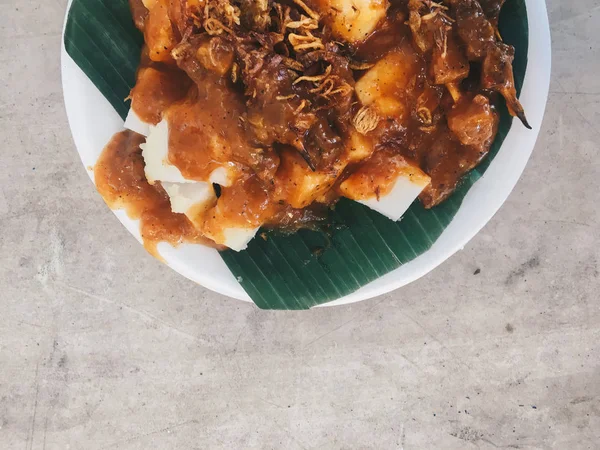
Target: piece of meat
425, 20
492, 9
446, 161
473, 27
328, 83
473, 121
322, 144
276, 113
497, 75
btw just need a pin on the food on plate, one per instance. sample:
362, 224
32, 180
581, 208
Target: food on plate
262, 113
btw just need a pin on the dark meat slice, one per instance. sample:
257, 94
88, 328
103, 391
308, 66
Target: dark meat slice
497, 75
139, 13
434, 34
322, 144
201, 53
275, 112
328, 83
474, 28
339, 95
473, 121
492, 9
446, 162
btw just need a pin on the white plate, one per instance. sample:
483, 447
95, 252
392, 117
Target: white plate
93, 121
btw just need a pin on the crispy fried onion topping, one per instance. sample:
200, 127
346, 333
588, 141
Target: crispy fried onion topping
220, 16
326, 84
365, 120
301, 37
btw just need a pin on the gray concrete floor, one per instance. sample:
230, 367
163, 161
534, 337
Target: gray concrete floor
103, 347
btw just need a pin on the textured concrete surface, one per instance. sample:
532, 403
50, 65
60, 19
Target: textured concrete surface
102, 347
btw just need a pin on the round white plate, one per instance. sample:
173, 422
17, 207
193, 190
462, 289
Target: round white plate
93, 121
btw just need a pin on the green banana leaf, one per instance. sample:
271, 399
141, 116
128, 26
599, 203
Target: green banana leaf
307, 268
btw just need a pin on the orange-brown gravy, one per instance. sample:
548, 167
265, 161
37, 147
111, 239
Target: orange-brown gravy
157, 87
377, 176
120, 179
205, 131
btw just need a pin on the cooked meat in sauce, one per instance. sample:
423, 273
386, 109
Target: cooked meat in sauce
265, 113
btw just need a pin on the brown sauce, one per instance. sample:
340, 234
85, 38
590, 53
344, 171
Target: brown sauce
377, 177
120, 179
205, 131
389, 34
157, 87
393, 85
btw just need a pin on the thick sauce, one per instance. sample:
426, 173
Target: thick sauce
377, 177
158, 86
120, 179
387, 36
205, 132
